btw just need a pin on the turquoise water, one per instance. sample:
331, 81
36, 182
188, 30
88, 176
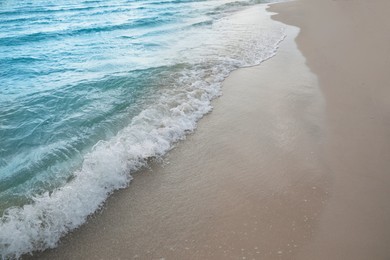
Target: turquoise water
90, 90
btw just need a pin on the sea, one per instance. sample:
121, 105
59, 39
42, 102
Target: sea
93, 90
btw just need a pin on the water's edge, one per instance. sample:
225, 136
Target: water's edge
108, 167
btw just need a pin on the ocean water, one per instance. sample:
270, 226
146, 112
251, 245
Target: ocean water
91, 90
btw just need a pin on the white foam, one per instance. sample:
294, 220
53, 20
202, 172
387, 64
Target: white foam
108, 166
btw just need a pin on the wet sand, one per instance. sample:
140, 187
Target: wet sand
287, 166
347, 44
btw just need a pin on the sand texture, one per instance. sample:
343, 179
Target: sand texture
347, 44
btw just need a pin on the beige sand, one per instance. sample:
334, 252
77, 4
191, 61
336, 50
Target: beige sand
282, 168
347, 44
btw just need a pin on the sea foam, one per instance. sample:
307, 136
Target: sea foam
109, 165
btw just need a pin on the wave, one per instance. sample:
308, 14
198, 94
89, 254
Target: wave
233, 6
174, 2
203, 23
22, 60
47, 10
180, 96
42, 36
106, 168
109, 165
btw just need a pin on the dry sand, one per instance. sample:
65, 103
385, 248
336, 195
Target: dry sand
283, 168
347, 44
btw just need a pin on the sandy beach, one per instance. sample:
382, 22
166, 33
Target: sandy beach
347, 45
293, 162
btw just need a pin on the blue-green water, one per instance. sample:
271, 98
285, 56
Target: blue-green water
89, 90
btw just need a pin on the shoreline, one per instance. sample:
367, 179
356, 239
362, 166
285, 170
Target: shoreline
168, 109
247, 184
289, 165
